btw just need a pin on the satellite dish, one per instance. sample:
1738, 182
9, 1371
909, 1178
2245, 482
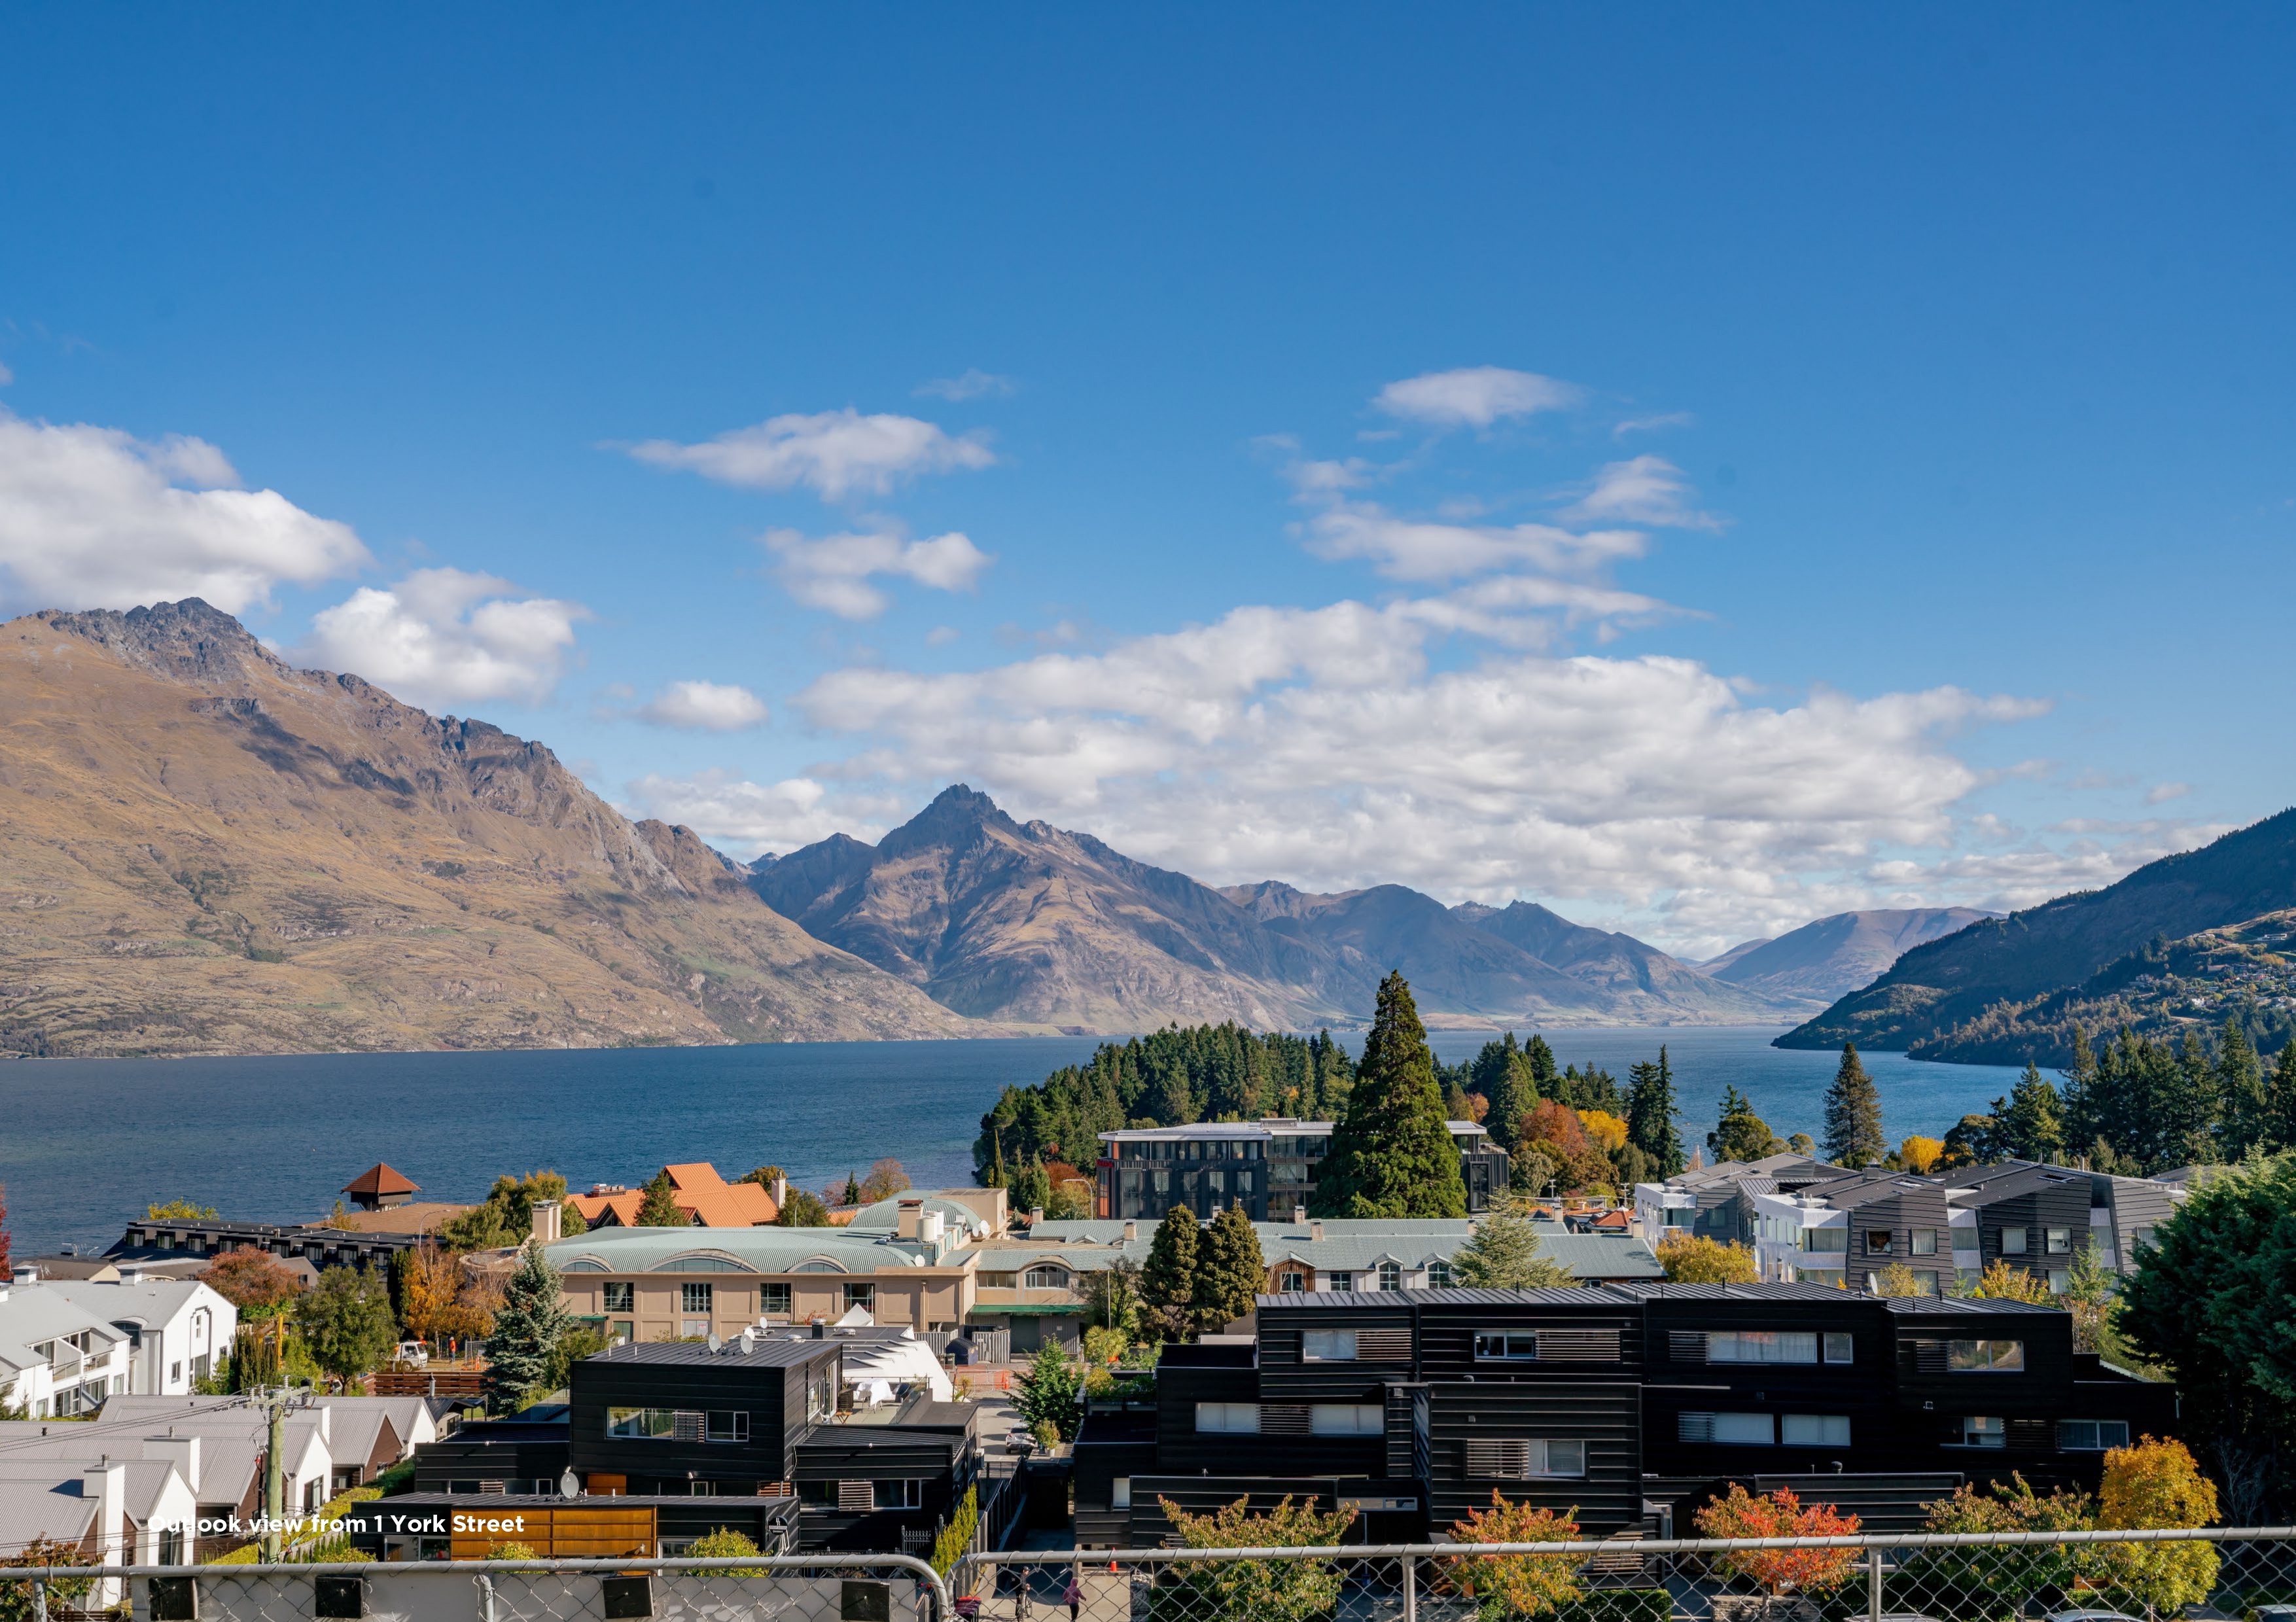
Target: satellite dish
569, 1485
714, 1343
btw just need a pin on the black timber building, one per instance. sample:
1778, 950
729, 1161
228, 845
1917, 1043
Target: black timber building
1633, 1403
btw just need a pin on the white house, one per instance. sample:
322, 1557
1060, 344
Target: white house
58, 1360
178, 1329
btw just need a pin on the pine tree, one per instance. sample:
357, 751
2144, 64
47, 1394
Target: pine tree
1391, 1152
660, 1208
2241, 1083
523, 1343
1504, 1255
1540, 1058
1740, 1135
346, 1320
1651, 1115
2283, 1116
1853, 1114
2031, 1124
2189, 1104
1168, 1284
1229, 1271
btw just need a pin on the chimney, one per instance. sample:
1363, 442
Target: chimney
1036, 1215
183, 1452
821, 1328
326, 1422
1131, 1232
781, 1191
107, 1483
905, 1225
1299, 1216
547, 1219
131, 1274
1315, 1231
27, 1275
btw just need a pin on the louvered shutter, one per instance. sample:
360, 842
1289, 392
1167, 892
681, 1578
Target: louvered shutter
1582, 1346
1500, 1461
1688, 1344
2031, 1436
1929, 1356
1693, 1427
1382, 1346
856, 1498
687, 1427
1283, 1419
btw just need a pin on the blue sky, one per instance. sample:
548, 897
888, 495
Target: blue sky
1700, 468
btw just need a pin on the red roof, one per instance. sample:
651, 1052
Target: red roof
379, 1179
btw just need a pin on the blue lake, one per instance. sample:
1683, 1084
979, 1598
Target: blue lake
86, 1143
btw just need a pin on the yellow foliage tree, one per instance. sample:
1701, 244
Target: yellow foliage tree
1517, 1585
1689, 1259
2157, 1484
1604, 1130
2003, 1283
1921, 1155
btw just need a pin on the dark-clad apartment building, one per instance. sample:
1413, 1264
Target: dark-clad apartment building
1632, 1403
1267, 1167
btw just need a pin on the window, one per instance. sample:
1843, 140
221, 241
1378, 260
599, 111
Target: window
1328, 1344
864, 1296
728, 1426
1228, 1419
701, 1489
1825, 1239
1838, 1347
2091, 1435
1515, 1460
773, 1298
1924, 1241
654, 1424
1346, 1419
1439, 1275
1761, 1345
1814, 1430
900, 1495
693, 1329
695, 1298
2059, 1281
1494, 1345
175, 1374
1986, 1356
1977, 1433
2012, 1241
1727, 1430
818, 1266
1880, 1243
1120, 1493
622, 1332
818, 1495
624, 1296
1390, 1276
2060, 1241
1045, 1278
1343, 1280
1291, 1280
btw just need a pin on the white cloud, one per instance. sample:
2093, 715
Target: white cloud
442, 637
1475, 397
1321, 746
832, 453
972, 384
705, 707
1647, 425
95, 517
6, 376
749, 817
1421, 549
2162, 793
1641, 490
833, 572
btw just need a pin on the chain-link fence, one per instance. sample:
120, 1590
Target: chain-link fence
1960, 1577
784, 1588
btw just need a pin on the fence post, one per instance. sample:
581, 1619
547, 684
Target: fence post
1410, 1588
485, 1596
1873, 1585
39, 1600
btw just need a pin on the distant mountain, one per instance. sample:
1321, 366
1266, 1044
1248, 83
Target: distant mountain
1963, 978
1833, 956
208, 851
1628, 969
1028, 922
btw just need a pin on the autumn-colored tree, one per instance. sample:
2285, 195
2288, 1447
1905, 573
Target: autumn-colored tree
885, 1179
1604, 1130
2157, 1484
439, 1299
5, 1272
2013, 1574
1899, 1280
1266, 1590
1920, 1155
1781, 1514
1691, 1260
1551, 1122
1517, 1585
2003, 1283
252, 1280
17, 1603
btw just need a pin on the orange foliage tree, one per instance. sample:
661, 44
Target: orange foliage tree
1781, 1514
252, 1280
1517, 1585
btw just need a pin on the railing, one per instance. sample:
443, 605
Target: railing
858, 1587
1890, 1577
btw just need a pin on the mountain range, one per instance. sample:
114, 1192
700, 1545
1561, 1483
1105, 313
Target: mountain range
1026, 922
1834, 956
2006, 990
206, 851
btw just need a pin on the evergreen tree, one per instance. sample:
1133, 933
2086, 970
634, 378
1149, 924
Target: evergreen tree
1633, 1165
1391, 1152
1230, 1274
2247, 1094
1504, 1255
2283, 1113
522, 1347
1540, 1058
1742, 1134
2190, 1105
2030, 1125
660, 1208
802, 1210
1853, 1114
345, 1321
1168, 1284
1651, 1115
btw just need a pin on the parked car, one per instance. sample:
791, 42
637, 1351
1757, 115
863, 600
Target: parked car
2090, 1615
1019, 1441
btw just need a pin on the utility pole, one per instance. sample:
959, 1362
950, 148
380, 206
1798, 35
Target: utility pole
272, 1400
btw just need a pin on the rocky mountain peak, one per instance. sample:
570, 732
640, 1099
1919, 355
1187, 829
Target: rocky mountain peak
189, 641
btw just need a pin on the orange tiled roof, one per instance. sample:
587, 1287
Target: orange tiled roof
609, 1210
696, 1188
381, 1181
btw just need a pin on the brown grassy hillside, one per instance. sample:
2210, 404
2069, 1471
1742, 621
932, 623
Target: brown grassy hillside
206, 851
